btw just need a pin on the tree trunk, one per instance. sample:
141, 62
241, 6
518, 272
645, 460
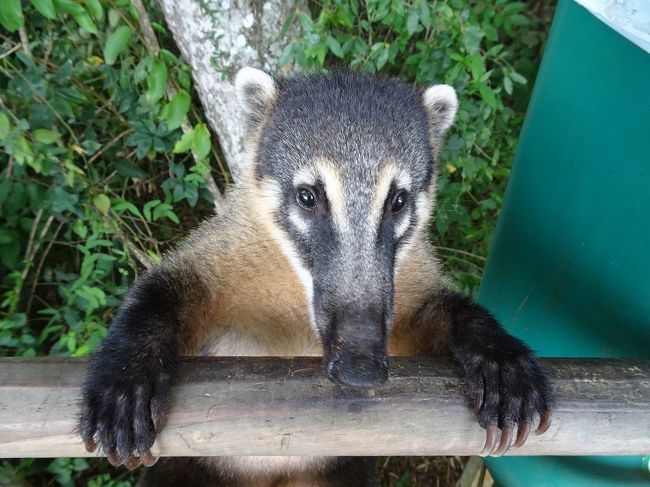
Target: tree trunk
217, 38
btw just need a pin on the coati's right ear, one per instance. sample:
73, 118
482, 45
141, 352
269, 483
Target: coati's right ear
441, 104
256, 94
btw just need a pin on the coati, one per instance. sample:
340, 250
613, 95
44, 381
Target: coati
322, 250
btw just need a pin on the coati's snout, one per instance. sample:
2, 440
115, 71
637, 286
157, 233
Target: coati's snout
353, 294
355, 351
358, 369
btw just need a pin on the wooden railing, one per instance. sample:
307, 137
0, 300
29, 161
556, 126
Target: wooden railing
274, 406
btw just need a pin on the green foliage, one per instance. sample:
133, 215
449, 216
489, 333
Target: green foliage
89, 179
487, 50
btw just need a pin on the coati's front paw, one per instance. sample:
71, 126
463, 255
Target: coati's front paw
508, 391
121, 412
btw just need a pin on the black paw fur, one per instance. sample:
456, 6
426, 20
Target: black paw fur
122, 410
508, 390
128, 383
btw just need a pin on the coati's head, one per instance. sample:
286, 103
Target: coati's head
344, 166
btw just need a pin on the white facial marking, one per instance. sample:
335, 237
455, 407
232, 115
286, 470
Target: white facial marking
271, 198
331, 178
388, 175
423, 207
298, 221
324, 171
305, 176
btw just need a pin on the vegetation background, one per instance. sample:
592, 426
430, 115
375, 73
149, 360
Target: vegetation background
97, 179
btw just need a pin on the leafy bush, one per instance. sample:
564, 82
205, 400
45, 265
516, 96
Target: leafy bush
105, 153
91, 180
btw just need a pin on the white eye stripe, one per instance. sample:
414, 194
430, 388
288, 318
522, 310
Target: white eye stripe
389, 175
403, 180
323, 170
305, 176
403, 225
335, 194
298, 221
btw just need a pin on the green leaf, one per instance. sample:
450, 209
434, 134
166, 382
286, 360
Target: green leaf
4, 126
85, 22
21, 149
519, 20
472, 36
95, 8
116, 43
79, 227
517, 78
11, 15
476, 66
412, 22
507, 85
45, 136
334, 46
113, 17
123, 205
514, 8
68, 7
9, 247
129, 170
185, 142
147, 208
102, 203
305, 21
488, 95
175, 111
45, 8
201, 143
157, 82
164, 210
491, 34
159, 28
425, 13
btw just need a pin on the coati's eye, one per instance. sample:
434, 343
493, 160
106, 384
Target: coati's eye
306, 198
399, 201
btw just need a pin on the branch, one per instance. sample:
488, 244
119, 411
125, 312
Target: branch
277, 406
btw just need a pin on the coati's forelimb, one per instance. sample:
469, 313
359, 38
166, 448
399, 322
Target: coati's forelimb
506, 386
129, 380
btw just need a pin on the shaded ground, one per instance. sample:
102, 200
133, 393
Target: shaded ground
421, 471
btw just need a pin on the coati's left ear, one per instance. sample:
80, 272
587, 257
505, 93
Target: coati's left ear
441, 104
256, 95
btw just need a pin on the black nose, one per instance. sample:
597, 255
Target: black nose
355, 369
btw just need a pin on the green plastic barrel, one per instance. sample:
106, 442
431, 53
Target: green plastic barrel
569, 270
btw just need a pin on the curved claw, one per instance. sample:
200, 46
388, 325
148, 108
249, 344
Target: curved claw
148, 459
490, 440
90, 445
504, 444
113, 459
544, 423
522, 434
132, 463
